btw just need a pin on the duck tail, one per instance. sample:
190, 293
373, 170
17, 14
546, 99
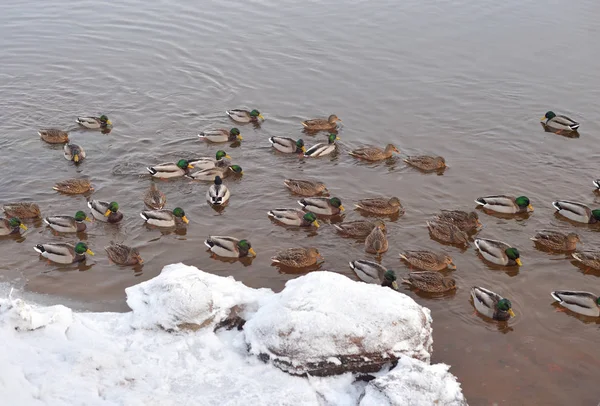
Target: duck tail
577, 256
555, 296
39, 248
402, 256
304, 124
597, 183
352, 265
142, 215
337, 227
480, 201
208, 243
228, 113
151, 170
202, 135
275, 260
556, 205
45, 219
270, 213
271, 140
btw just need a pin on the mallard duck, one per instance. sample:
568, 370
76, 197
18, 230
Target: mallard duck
491, 304
467, 222
210, 174
218, 194
221, 160
382, 206
164, 218
229, 247
358, 229
322, 205
294, 217
498, 252
447, 233
585, 303
321, 148
588, 258
73, 152
221, 135
154, 198
426, 163
244, 116
428, 281
105, 211
63, 253
372, 272
122, 254
374, 153
73, 186
578, 212
94, 123
11, 226
505, 204
22, 210
559, 123
68, 224
297, 257
287, 145
318, 124
428, 260
556, 241
376, 242
170, 169
596, 183
54, 136
305, 187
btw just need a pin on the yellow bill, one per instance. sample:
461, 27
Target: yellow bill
227, 156
108, 122
315, 223
518, 261
190, 166
530, 207
87, 219
510, 311
185, 219
395, 285
261, 116
107, 213
342, 207
23, 226
89, 251
251, 251
239, 137
76, 158
303, 148
543, 118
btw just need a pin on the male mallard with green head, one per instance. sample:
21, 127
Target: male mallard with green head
585, 303
229, 247
491, 304
11, 226
68, 224
559, 123
221, 135
165, 218
94, 123
322, 149
170, 169
505, 204
245, 116
322, 205
107, 212
63, 253
498, 252
578, 212
287, 145
294, 217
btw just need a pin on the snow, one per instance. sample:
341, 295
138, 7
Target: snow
53, 355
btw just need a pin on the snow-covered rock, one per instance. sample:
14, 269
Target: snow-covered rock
325, 323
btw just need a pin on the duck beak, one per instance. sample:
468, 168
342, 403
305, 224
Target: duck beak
478, 223
227, 156
190, 166
395, 285
251, 251
342, 207
512, 314
518, 261
140, 260
303, 148
239, 137
87, 219
530, 208
543, 118
337, 138
451, 266
185, 219
108, 122
261, 117
76, 158
315, 223
89, 251
107, 213
23, 226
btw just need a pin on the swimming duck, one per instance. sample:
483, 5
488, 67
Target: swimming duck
297, 257
505, 204
105, 211
588, 258
54, 136
426, 163
491, 304
73, 186
578, 212
68, 224
94, 123
210, 174
560, 122
170, 169
382, 206
358, 229
374, 153
305, 187
221, 135
154, 198
597, 183
221, 160
585, 303
467, 222
164, 218
294, 217
122, 254
63, 253
498, 252
322, 205
428, 281
218, 194
376, 242
244, 116
447, 233
322, 149
287, 145
556, 241
428, 260
372, 272
318, 124
73, 152
229, 247
11, 226
22, 210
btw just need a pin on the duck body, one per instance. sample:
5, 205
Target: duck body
297, 257
162, 218
376, 242
54, 136
61, 253
491, 304
73, 152
287, 145
73, 186
209, 175
381, 206
465, 221
495, 252
221, 135
322, 149
428, 260
505, 204
322, 205
372, 272
585, 303
94, 123
221, 160
101, 212
428, 281
374, 153
218, 194
169, 170
229, 247
559, 122
575, 211
427, 163
588, 258
556, 241
22, 210
292, 217
321, 124
66, 224
447, 233
154, 198
305, 187
357, 229
245, 116
11, 226
122, 254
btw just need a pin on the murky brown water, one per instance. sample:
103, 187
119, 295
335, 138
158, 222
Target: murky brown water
465, 80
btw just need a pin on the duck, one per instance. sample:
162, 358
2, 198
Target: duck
221, 160
63, 253
307, 188
491, 304
218, 194
585, 303
73, 152
210, 174
426, 163
374, 153
381, 206
596, 184
319, 124
229, 247
68, 224
294, 217
372, 272
297, 257
431, 282
376, 242
556, 241
588, 258
245, 116
498, 252
359, 228
170, 169
11, 226
322, 205
105, 211
287, 145
322, 149
505, 204
22, 210
221, 135
122, 254
578, 212
73, 186
447, 233
54, 136
164, 218
428, 260
154, 198
94, 123
465, 221
559, 123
